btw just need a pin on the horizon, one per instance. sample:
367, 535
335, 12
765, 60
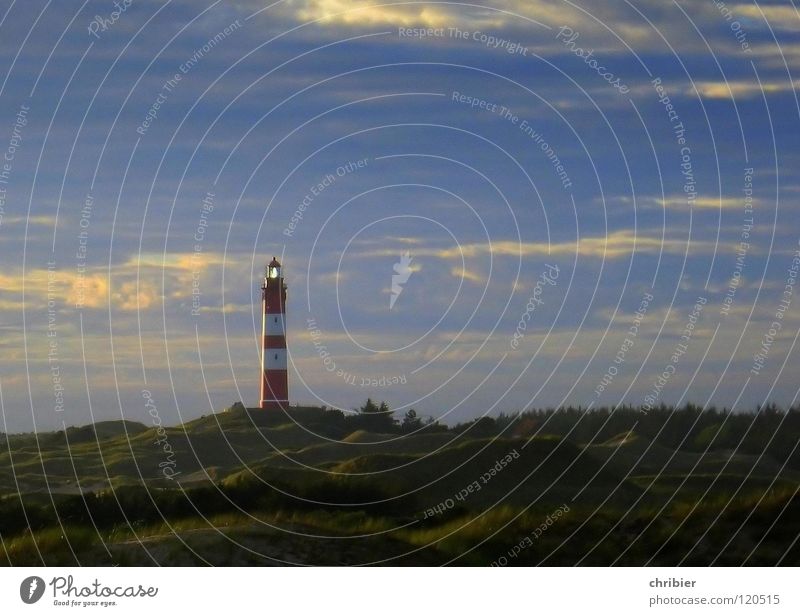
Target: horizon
506, 415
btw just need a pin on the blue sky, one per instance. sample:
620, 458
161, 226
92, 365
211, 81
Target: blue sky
490, 168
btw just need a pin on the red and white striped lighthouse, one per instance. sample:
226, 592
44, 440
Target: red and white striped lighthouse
274, 376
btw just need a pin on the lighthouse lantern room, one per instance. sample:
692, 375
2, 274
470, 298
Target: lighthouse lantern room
274, 375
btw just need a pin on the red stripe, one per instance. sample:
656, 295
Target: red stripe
275, 385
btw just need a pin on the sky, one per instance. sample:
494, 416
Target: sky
585, 204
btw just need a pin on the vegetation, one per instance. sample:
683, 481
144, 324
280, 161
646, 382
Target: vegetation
318, 486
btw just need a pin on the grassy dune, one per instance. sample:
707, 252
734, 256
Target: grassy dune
559, 487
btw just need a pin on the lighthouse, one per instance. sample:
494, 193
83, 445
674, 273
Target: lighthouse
274, 376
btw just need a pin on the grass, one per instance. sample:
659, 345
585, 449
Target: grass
257, 491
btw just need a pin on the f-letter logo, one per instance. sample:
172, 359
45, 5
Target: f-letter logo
31, 589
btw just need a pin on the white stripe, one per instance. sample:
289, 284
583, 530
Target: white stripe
274, 359
275, 324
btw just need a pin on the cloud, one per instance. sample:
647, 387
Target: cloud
70, 288
362, 13
334, 277
680, 202
185, 261
229, 308
45, 221
614, 245
737, 89
357, 13
721, 90
130, 286
492, 14
11, 305
90, 291
606, 28
397, 239
771, 55
135, 295
468, 275
779, 16
703, 202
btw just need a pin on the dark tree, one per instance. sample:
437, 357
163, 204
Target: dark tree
374, 417
411, 422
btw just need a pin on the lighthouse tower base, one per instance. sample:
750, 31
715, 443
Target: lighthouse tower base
275, 405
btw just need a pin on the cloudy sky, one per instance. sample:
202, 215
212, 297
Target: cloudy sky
597, 202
